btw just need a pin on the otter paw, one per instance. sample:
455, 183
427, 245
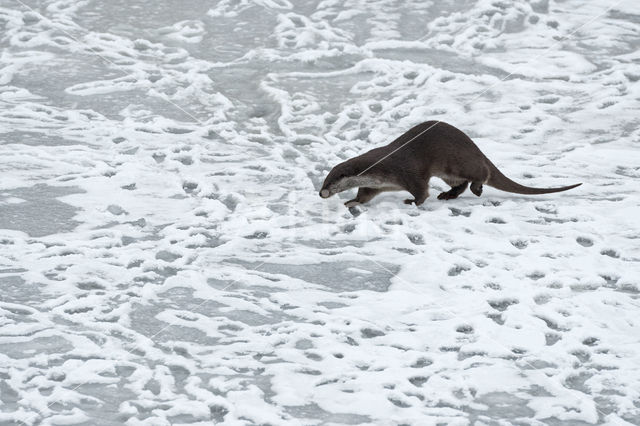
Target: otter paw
477, 190
444, 196
351, 203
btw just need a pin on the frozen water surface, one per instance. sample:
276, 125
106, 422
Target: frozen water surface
165, 257
37, 210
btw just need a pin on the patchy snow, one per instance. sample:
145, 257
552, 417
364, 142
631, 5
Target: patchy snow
165, 257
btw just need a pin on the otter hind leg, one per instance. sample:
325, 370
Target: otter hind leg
454, 191
364, 195
476, 188
477, 174
479, 179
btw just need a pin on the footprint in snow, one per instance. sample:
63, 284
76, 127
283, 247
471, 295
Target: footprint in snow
421, 362
502, 304
189, 187
186, 160
416, 239
584, 241
457, 270
464, 329
369, 333
611, 253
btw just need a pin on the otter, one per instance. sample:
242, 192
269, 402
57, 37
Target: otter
433, 148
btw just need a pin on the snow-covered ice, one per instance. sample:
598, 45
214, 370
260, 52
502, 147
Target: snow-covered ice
165, 257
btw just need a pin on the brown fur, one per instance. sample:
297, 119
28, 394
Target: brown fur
437, 149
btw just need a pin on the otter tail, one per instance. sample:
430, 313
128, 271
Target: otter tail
503, 183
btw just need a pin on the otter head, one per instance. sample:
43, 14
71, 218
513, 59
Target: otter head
342, 177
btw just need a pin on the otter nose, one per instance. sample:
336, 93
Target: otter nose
324, 193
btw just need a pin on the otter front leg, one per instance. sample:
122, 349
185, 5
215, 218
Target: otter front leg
454, 191
364, 195
420, 192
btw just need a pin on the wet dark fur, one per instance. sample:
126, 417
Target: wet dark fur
442, 151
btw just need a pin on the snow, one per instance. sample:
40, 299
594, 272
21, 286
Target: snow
165, 257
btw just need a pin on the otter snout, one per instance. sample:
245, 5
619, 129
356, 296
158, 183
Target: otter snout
325, 193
